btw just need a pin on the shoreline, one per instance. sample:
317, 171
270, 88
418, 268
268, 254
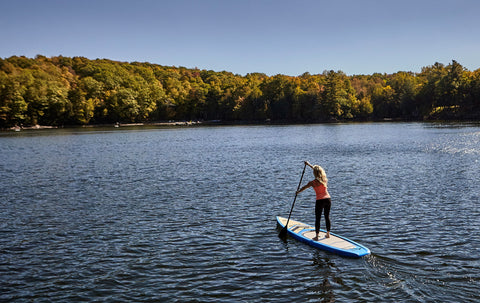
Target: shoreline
218, 122
115, 125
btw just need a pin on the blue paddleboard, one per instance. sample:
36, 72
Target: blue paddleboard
334, 244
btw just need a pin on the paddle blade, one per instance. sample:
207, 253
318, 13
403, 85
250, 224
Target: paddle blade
283, 233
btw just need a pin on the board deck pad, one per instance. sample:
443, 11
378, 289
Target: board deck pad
334, 243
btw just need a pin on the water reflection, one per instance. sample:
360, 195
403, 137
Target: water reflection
322, 282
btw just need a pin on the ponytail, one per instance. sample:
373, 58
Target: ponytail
320, 175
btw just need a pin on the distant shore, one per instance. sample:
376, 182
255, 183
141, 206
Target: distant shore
118, 124
219, 122
71, 92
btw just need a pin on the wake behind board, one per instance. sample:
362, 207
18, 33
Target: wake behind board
335, 244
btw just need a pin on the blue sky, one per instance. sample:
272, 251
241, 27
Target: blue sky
243, 36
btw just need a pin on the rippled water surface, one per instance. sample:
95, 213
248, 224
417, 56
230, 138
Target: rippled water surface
188, 214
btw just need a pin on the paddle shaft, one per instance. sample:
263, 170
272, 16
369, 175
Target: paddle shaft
284, 230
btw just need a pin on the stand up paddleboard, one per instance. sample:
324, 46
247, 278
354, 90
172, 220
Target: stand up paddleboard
335, 244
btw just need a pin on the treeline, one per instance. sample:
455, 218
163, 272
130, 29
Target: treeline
78, 91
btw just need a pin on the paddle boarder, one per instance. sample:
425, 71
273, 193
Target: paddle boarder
323, 200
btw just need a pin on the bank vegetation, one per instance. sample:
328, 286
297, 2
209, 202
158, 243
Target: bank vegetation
60, 91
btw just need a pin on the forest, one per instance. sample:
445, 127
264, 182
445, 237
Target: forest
64, 91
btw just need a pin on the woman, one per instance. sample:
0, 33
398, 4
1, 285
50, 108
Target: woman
324, 201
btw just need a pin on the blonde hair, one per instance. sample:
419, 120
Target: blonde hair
320, 174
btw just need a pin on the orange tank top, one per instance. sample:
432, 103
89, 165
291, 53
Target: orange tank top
320, 190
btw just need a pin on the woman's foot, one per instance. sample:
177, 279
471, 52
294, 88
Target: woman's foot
315, 238
327, 235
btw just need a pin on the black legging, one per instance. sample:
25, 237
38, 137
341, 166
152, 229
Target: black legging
323, 204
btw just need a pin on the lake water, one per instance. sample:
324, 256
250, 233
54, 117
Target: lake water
188, 214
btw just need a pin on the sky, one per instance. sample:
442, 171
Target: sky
287, 37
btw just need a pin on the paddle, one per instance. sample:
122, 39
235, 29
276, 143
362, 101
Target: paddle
283, 232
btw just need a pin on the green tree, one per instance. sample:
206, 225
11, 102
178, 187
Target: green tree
403, 103
252, 106
452, 85
472, 103
82, 108
12, 105
338, 96
278, 93
384, 104
122, 106
430, 94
